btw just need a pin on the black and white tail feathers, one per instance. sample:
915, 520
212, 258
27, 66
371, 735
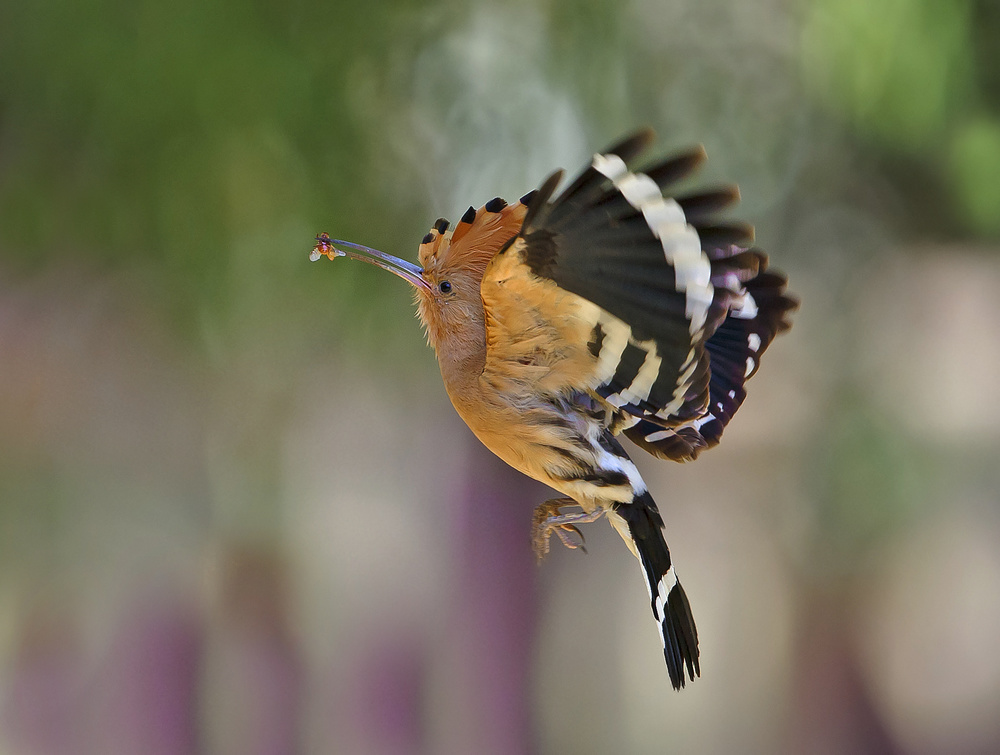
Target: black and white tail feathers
668, 601
680, 310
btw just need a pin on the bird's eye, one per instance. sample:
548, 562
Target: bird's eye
444, 287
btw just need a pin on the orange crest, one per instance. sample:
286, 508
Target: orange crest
473, 242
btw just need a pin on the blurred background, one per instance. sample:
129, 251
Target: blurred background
237, 511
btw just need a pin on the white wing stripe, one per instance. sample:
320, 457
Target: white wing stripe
747, 310
681, 244
642, 384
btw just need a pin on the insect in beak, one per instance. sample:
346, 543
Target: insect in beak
331, 249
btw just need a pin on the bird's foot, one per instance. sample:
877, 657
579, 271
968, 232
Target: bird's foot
549, 519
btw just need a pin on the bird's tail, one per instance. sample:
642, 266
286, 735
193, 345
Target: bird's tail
669, 603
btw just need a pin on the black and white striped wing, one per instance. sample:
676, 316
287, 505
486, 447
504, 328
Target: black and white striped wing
679, 308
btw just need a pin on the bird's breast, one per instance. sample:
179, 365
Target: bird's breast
555, 440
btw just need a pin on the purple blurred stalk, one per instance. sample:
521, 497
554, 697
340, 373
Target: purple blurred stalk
495, 609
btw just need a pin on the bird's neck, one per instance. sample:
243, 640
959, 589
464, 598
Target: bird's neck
458, 336
462, 359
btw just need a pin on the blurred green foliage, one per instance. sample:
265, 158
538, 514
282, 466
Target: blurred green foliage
201, 145
178, 136
187, 140
899, 69
918, 77
870, 480
181, 155
975, 164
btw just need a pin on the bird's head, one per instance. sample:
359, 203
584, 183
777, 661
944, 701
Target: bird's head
446, 282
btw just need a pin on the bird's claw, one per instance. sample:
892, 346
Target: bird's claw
549, 519
570, 536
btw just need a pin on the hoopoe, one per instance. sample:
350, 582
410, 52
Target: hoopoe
562, 323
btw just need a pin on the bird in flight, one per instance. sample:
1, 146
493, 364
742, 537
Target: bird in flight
563, 322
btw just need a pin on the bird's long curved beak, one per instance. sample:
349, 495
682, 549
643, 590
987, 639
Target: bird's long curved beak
333, 248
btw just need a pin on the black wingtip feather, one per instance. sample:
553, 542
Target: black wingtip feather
632, 145
683, 445
704, 203
541, 197
589, 182
678, 166
724, 235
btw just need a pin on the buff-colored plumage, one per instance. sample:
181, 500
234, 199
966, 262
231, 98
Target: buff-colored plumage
454, 321
561, 324
503, 336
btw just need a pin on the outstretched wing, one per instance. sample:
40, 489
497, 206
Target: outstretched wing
646, 300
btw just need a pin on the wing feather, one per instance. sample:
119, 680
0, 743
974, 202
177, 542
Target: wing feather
649, 302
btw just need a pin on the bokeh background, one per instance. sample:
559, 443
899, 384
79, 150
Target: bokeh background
238, 513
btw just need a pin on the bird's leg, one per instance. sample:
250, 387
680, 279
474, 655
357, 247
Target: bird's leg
549, 518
